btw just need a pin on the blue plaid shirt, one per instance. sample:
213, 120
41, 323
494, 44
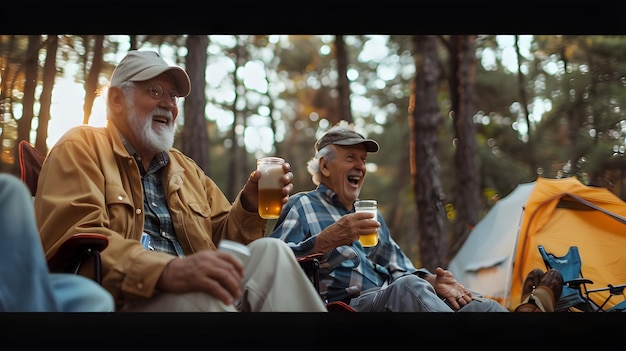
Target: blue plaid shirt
347, 270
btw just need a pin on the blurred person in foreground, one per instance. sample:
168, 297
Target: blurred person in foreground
371, 279
26, 285
126, 180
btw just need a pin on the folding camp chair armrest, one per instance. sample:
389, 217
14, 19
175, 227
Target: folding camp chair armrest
71, 254
617, 289
339, 306
613, 289
316, 255
576, 283
310, 264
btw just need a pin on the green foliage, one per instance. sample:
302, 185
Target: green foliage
573, 88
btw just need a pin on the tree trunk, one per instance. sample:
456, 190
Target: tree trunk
463, 99
524, 105
424, 122
49, 74
91, 83
8, 124
343, 85
195, 133
238, 164
31, 72
6, 72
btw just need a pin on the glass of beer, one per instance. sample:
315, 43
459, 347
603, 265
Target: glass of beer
367, 240
270, 187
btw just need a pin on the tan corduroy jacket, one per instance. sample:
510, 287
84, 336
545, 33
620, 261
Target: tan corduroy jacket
89, 183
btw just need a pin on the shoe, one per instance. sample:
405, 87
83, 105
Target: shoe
528, 307
530, 284
549, 290
554, 281
528, 290
541, 291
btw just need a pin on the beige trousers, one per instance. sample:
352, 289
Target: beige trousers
273, 282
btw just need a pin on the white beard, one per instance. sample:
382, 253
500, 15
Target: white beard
155, 136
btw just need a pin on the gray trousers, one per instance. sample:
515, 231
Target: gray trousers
411, 293
273, 282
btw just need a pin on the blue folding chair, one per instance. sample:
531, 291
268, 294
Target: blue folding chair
570, 266
575, 293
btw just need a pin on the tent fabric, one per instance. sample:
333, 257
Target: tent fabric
485, 260
555, 213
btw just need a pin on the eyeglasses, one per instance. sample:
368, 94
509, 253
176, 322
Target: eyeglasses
156, 91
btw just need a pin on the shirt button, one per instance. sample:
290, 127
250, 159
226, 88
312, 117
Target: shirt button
120, 197
154, 205
138, 211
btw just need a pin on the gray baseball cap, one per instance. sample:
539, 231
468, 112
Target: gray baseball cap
345, 137
138, 66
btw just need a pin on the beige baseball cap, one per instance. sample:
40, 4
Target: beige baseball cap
138, 66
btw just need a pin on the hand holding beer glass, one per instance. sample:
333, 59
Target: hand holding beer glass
367, 240
270, 187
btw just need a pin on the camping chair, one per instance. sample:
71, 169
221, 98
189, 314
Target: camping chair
311, 265
575, 293
573, 283
78, 249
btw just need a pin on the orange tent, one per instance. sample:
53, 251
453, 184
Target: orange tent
555, 213
561, 213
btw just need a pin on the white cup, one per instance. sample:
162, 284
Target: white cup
241, 251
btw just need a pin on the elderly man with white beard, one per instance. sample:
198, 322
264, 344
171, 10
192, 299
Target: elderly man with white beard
163, 216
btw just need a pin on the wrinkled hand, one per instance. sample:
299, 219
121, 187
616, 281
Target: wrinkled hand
216, 273
250, 193
448, 288
345, 231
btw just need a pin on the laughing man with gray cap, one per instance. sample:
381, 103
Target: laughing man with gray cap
369, 279
163, 215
